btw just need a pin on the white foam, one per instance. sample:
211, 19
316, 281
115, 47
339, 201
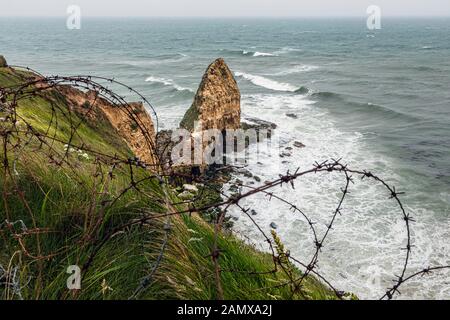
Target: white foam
266, 83
368, 237
152, 61
287, 50
263, 54
296, 69
167, 82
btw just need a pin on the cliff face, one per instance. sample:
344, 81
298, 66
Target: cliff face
132, 131
76, 203
217, 104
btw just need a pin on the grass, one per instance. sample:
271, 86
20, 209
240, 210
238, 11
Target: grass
68, 207
188, 121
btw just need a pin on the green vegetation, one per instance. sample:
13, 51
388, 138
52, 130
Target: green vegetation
60, 206
189, 118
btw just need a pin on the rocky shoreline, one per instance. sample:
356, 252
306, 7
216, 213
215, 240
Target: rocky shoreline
216, 106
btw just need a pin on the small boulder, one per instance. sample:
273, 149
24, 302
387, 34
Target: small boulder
298, 144
285, 154
273, 225
292, 115
246, 173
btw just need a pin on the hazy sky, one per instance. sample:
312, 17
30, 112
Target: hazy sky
225, 8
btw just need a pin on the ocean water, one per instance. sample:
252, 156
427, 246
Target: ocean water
378, 99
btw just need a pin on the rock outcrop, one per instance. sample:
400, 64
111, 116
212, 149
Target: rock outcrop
138, 132
3, 63
217, 104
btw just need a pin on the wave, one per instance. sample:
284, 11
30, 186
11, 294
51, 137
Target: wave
267, 83
263, 54
258, 54
145, 61
249, 53
302, 90
286, 50
372, 217
425, 68
296, 69
328, 95
344, 100
167, 82
236, 52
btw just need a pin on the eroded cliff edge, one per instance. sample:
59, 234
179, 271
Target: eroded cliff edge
137, 129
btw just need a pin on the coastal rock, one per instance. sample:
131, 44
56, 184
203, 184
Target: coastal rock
139, 134
292, 115
3, 63
164, 147
298, 144
217, 104
262, 128
285, 154
259, 124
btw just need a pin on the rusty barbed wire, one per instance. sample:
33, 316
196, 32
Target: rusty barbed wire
16, 138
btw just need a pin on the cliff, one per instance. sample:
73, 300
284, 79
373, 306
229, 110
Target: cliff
63, 206
138, 132
217, 104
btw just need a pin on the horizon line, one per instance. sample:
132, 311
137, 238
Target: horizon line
231, 17
228, 17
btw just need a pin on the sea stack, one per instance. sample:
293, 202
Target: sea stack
217, 104
3, 63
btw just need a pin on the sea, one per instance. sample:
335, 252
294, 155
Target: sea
377, 99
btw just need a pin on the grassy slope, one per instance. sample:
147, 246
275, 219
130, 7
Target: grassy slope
72, 202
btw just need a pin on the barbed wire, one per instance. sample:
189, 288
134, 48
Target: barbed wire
19, 136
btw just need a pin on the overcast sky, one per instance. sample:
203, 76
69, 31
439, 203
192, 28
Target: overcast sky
225, 8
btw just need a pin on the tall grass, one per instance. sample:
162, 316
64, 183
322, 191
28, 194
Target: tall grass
57, 207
